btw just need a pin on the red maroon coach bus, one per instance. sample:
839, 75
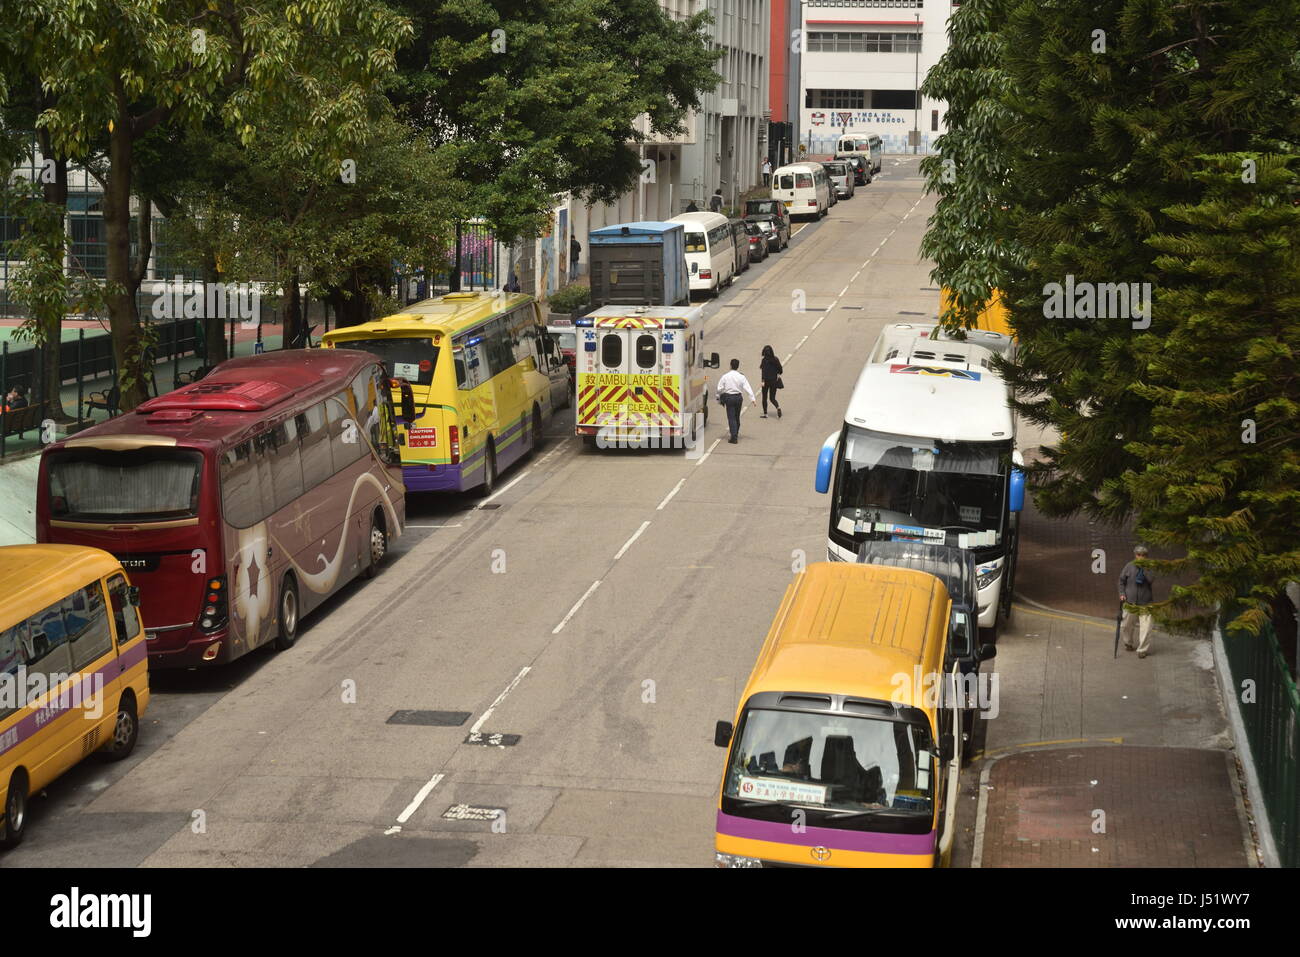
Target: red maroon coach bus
238, 503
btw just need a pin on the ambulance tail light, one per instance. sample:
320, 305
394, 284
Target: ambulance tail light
453, 438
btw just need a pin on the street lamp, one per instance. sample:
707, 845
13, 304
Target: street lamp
916, 102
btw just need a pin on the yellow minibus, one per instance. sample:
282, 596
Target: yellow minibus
73, 668
486, 379
843, 748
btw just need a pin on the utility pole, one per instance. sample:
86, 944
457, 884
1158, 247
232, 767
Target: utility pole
916, 104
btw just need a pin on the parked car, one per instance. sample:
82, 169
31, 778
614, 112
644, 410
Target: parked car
776, 230
757, 242
741, 239
842, 178
862, 172
772, 208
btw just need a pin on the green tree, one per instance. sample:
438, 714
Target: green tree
1221, 467
121, 68
529, 99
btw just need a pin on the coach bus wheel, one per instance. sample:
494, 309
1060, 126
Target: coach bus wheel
378, 544
287, 632
489, 471
125, 730
15, 820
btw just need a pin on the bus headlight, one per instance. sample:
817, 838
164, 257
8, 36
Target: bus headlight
986, 579
735, 860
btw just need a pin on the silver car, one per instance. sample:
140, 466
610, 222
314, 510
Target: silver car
842, 178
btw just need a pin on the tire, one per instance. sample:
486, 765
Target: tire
126, 729
489, 471
970, 727
288, 612
706, 410
589, 442
15, 811
378, 545
694, 429
539, 429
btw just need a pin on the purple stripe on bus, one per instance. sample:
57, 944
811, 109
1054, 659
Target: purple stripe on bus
115, 666
873, 842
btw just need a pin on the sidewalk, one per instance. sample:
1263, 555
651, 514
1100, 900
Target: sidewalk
1092, 760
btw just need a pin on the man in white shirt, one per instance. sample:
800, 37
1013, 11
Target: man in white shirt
730, 389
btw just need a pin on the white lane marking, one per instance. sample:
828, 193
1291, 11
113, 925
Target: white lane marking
874, 251
788, 358
800, 342
845, 289
478, 725
576, 605
855, 277
457, 525
817, 323
417, 801
705, 457
637, 533
667, 498
395, 829
555, 451
502, 491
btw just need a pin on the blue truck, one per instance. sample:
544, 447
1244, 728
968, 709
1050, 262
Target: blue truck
638, 264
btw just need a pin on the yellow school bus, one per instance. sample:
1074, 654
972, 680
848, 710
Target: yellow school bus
486, 379
73, 668
992, 318
842, 752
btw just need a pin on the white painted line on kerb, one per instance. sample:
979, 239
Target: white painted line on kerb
667, 498
418, 800
457, 525
637, 533
704, 458
576, 605
478, 725
504, 489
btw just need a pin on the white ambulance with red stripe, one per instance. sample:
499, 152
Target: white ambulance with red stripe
642, 376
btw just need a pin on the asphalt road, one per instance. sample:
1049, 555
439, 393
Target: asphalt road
605, 607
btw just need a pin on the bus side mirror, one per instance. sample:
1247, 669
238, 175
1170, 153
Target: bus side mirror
713, 361
946, 748
1016, 493
722, 734
986, 652
825, 462
408, 400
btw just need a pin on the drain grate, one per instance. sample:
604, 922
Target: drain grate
855, 308
490, 739
906, 313
435, 719
489, 506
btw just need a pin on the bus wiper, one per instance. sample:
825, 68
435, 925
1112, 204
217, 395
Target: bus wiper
878, 812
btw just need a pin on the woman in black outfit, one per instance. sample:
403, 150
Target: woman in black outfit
770, 370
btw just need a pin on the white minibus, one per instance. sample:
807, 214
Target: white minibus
804, 188
710, 250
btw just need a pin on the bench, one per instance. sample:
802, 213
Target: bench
106, 400
190, 377
24, 420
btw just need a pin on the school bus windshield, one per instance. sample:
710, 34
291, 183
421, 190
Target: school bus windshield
831, 761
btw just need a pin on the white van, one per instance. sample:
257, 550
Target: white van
804, 188
866, 145
710, 250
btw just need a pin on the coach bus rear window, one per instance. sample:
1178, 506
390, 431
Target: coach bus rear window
695, 243
140, 485
405, 358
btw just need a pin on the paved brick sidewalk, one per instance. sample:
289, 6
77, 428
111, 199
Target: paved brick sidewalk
1160, 807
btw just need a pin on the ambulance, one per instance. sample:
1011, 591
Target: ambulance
642, 376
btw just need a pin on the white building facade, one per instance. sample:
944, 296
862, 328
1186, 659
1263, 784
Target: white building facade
862, 64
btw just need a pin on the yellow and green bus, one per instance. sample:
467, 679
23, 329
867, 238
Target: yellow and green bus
486, 380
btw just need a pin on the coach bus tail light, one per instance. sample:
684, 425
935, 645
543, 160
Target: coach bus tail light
214, 604
453, 438
825, 462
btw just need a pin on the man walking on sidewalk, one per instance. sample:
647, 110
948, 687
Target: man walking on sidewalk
1135, 589
730, 387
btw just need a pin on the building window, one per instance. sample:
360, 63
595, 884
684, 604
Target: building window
934, 121
894, 100
837, 99
861, 41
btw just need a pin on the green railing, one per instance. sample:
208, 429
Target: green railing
1270, 709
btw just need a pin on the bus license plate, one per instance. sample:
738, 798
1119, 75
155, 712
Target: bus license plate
788, 204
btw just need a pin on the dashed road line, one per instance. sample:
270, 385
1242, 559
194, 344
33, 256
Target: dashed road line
416, 802
576, 605
478, 725
644, 525
501, 491
667, 498
705, 457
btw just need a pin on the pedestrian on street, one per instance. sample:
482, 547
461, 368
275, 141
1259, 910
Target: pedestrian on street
770, 372
575, 250
691, 207
1135, 589
715, 201
16, 399
730, 389
767, 172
